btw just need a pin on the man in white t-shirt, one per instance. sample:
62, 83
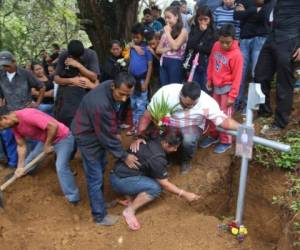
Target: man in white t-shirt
194, 107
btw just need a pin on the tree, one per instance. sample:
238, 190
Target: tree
104, 20
27, 26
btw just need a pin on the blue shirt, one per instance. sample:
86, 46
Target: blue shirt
139, 63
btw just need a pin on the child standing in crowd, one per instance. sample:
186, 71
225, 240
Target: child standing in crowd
224, 15
224, 76
153, 41
140, 67
172, 47
201, 40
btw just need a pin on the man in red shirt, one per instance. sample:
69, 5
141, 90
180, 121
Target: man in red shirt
52, 135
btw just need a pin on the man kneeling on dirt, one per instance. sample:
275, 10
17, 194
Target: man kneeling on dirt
52, 135
193, 107
144, 184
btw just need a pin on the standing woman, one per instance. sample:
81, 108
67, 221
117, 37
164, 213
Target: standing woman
172, 47
48, 100
201, 40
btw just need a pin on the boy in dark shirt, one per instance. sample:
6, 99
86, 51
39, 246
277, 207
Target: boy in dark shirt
144, 183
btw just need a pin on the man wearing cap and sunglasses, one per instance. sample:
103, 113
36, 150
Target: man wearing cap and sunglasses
15, 93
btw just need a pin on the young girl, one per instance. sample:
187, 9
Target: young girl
224, 15
201, 40
172, 47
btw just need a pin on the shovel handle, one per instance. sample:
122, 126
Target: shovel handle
26, 168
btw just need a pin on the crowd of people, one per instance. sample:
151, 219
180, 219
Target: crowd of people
198, 62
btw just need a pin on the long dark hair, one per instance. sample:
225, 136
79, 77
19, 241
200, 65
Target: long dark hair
176, 29
204, 11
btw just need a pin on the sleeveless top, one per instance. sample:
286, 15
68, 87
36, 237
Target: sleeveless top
174, 54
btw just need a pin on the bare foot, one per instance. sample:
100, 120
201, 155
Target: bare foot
130, 219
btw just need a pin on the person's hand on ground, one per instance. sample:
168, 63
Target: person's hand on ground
132, 161
190, 196
19, 172
135, 146
296, 55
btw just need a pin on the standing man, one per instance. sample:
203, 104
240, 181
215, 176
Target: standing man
76, 73
15, 93
52, 135
278, 55
95, 128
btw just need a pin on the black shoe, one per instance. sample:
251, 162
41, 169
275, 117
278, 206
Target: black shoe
74, 203
185, 167
265, 111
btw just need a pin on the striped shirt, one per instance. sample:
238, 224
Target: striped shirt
224, 15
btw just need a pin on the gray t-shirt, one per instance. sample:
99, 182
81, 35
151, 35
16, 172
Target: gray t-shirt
17, 92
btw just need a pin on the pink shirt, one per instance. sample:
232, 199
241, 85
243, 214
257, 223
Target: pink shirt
33, 125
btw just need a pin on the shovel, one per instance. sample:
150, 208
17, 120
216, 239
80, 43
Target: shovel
27, 168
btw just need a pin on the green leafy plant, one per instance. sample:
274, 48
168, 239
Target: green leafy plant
161, 109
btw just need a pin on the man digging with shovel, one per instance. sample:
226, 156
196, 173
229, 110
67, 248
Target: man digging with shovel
52, 136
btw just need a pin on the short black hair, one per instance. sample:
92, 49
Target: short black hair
124, 77
149, 34
155, 7
75, 48
172, 136
183, 2
175, 4
191, 90
112, 42
3, 111
55, 46
147, 11
138, 28
227, 30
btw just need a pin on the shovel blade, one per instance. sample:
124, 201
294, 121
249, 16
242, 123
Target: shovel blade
1, 200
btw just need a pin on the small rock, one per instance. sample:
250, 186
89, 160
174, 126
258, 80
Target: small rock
76, 218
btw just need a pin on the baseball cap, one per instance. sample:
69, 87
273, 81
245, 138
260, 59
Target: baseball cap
6, 58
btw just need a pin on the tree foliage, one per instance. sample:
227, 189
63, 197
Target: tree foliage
27, 26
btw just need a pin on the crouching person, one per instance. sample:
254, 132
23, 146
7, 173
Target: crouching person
52, 135
144, 184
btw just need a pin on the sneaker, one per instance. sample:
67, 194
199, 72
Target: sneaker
222, 147
271, 130
108, 220
208, 141
185, 167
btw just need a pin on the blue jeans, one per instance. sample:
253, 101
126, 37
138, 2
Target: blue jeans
134, 185
200, 75
138, 106
171, 71
47, 108
63, 150
191, 136
9, 146
94, 173
250, 49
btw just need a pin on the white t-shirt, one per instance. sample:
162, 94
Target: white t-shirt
10, 76
206, 108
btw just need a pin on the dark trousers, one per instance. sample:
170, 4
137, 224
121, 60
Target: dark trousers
276, 57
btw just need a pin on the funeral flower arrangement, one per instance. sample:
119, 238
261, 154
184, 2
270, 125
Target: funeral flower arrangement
161, 112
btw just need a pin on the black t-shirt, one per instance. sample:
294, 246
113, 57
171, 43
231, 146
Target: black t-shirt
49, 86
153, 162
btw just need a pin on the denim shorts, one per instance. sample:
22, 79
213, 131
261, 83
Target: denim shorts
134, 185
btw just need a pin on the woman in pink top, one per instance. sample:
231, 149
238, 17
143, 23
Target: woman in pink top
172, 47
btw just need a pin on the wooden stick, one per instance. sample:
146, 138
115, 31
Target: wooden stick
26, 168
